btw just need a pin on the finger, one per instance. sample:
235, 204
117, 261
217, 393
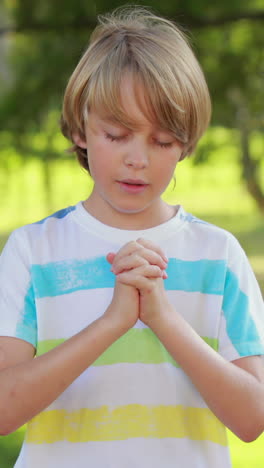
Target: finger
138, 280
110, 257
127, 249
128, 267
138, 274
151, 246
164, 274
138, 245
128, 263
140, 283
136, 259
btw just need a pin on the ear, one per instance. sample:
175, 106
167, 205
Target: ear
79, 141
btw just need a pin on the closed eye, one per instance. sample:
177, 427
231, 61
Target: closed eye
115, 137
164, 144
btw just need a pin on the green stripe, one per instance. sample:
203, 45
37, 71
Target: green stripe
138, 345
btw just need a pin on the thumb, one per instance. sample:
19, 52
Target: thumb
110, 257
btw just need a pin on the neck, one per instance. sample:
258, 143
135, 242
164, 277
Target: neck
133, 221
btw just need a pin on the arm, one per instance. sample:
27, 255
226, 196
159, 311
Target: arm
28, 385
233, 391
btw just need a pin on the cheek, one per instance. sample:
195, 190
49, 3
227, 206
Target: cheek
175, 158
97, 168
168, 167
100, 160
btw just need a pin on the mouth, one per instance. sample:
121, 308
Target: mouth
133, 185
133, 181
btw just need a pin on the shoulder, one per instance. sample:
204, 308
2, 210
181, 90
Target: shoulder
58, 215
209, 237
30, 237
50, 223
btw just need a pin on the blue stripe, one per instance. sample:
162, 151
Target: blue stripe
59, 214
188, 217
240, 326
204, 276
26, 328
54, 279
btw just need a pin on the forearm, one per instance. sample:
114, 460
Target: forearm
235, 396
29, 387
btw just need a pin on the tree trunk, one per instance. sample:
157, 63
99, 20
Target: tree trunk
250, 170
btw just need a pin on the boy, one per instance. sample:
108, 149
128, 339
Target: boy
146, 323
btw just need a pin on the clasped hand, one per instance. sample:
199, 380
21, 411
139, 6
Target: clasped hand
139, 267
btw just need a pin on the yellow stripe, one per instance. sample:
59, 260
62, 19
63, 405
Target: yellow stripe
104, 424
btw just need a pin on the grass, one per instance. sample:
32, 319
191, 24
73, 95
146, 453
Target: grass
9, 448
246, 455
212, 192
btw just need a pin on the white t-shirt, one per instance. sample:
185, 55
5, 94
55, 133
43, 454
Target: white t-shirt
134, 407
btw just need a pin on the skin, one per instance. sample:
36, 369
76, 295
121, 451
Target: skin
234, 391
28, 385
116, 154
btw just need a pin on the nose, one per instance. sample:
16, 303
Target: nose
137, 155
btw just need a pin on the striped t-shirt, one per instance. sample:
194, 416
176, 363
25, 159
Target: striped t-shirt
134, 407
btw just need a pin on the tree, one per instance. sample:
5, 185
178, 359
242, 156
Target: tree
46, 39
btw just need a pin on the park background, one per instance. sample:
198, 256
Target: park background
223, 183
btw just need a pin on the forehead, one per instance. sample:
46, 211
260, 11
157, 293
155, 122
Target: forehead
131, 105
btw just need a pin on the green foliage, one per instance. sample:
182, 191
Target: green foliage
233, 60
51, 36
9, 448
55, 34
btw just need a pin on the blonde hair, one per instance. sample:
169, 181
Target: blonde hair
157, 54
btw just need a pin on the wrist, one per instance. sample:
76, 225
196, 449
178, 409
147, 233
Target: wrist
156, 311
115, 323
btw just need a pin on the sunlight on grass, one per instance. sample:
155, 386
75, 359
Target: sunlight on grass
210, 189
246, 455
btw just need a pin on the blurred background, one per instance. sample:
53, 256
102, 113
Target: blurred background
41, 42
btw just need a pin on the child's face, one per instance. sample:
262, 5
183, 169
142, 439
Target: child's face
130, 169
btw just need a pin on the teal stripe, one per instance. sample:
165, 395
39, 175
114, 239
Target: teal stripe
204, 276
240, 326
138, 345
59, 214
57, 278
26, 328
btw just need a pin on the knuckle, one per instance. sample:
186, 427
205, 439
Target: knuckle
135, 246
142, 260
133, 243
141, 240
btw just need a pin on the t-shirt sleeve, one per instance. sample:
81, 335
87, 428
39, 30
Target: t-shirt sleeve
241, 331
17, 303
